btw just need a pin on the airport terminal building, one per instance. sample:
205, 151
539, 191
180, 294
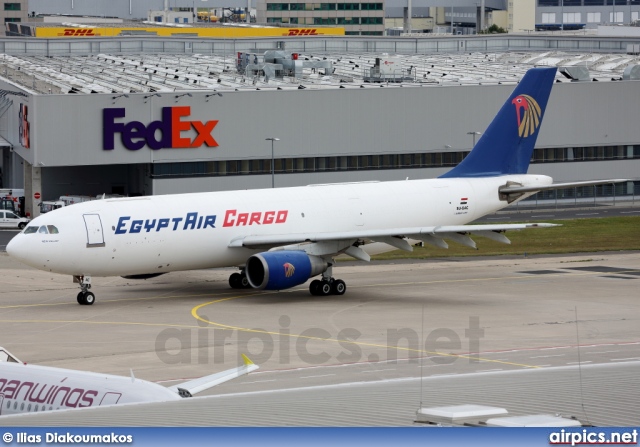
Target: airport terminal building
141, 116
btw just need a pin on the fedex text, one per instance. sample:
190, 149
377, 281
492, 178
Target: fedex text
163, 134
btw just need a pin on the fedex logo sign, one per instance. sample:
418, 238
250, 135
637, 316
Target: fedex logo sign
163, 134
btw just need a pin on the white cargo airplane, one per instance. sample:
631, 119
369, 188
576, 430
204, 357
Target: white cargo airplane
33, 389
282, 237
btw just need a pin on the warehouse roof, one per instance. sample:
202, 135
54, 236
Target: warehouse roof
150, 73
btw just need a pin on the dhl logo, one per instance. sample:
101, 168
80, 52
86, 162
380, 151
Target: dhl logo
82, 32
303, 32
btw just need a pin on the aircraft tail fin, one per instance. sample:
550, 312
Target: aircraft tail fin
507, 145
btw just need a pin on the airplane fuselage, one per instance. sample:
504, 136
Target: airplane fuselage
159, 234
32, 388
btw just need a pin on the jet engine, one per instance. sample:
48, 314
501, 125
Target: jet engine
279, 270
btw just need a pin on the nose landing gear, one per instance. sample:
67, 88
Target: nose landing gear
85, 297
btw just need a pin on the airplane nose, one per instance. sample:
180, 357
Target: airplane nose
15, 247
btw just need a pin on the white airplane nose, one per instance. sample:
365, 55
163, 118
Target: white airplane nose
15, 247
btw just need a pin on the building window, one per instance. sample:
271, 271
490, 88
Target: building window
348, 20
324, 21
593, 2
548, 2
571, 17
324, 6
11, 19
12, 6
548, 17
593, 17
348, 6
616, 17
371, 21
572, 2
296, 6
371, 6
274, 19
278, 6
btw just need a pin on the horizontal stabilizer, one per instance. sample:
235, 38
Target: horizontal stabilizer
188, 389
522, 189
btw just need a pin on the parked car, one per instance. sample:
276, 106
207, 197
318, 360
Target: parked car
12, 220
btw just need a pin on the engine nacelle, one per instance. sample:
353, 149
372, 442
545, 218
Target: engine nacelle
279, 270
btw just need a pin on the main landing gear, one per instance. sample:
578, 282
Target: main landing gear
327, 285
239, 281
85, 297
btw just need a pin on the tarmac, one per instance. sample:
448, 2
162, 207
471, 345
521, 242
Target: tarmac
558, 334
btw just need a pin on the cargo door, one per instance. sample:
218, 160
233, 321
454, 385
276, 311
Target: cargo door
95, 236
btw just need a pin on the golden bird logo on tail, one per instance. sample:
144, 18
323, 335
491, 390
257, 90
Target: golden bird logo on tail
528, 113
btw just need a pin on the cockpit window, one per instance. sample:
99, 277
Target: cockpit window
52, 229
30, 230
43, 230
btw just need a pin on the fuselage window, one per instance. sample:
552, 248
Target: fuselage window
35, 408
15, 405
22, 407
8, 405
30, 230
52, 229
43, 230
29, 407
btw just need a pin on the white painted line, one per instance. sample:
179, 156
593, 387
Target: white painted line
541, 366
544, 215
429, 366
489, 370
498, 218
321, 375
588, 214
624, 360
258, 381
447, 374
545, 356
579, 363
629, 212
378, 370
600, 352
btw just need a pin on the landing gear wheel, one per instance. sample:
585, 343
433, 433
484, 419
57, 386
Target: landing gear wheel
338, 287
313, 287
89, 298
86, 298
324, 288
234, 280
244, 282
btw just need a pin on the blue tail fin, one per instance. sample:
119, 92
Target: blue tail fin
507, 144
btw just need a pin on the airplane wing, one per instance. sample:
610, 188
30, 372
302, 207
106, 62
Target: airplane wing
191, 387
322, 244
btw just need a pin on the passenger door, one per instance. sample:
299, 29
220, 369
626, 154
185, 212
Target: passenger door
93, 224
3, 220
